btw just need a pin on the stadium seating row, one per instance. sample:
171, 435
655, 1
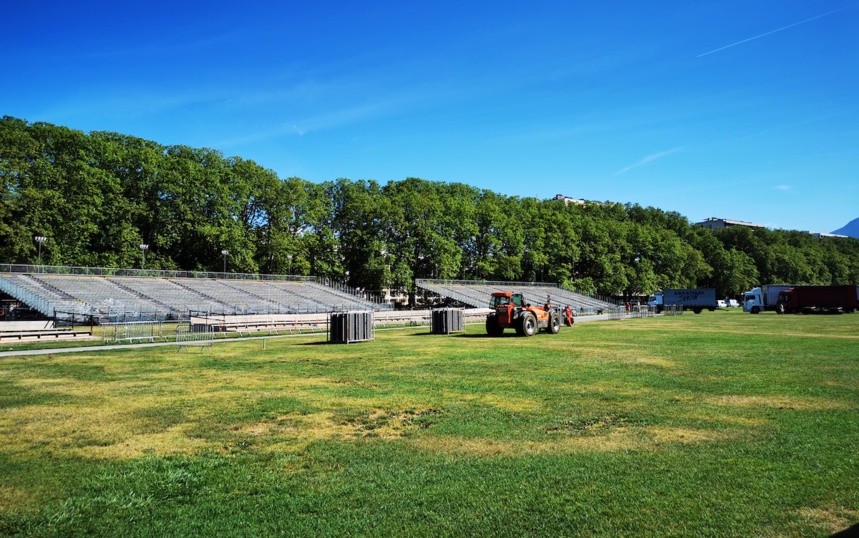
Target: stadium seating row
158, 298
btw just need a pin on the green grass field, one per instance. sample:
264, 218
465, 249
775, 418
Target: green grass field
721, 424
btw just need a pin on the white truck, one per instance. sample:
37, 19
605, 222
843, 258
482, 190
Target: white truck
695, 300
763, 298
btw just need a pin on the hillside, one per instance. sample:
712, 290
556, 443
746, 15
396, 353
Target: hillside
851, 229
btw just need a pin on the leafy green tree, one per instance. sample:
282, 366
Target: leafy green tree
96, 197
357, 222
420, 233
19, 151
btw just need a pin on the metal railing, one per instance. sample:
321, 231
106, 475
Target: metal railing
157, 273
429, 284
440, 281
201, 337
132, 331
595, 296
642, 311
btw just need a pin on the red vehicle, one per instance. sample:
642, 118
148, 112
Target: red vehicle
510, 310
818, 298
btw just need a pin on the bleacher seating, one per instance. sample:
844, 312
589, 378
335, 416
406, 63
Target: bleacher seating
152, 297
477, 294
97, 295
26, 288
147, 297
171, 294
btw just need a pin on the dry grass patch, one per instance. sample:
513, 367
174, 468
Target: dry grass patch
797, 403
172, 441
602, 437
664, 434
94, 432
99, 419
652, 361
293, 432
16, 497
509, 404
829, 520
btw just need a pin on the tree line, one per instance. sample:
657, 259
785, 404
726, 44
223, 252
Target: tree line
96, 197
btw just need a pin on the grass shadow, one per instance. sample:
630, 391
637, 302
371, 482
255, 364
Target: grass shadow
506, 334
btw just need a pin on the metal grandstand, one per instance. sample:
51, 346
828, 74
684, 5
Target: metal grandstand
477, 294
109, 294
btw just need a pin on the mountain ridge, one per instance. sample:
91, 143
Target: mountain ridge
851, 229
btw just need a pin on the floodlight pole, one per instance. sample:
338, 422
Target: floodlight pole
225, 254
143, 248
40, 239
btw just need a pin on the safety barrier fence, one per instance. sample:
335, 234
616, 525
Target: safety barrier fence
617, 313
642, 312
133, 331
202, 337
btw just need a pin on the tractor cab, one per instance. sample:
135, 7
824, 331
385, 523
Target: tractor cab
506, 299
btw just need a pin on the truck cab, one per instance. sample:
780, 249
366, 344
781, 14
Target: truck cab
655, 299
763, 298
753, 301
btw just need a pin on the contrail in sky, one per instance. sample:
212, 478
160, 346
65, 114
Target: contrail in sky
774, 31
648, 159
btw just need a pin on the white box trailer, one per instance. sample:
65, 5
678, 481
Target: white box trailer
696, 300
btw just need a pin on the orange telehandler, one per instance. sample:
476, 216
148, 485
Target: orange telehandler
510, 310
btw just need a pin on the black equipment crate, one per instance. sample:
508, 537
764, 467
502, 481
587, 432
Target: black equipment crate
348, 327
447, 320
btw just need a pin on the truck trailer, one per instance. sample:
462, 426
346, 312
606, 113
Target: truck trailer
696, 300
804, 299
757, 300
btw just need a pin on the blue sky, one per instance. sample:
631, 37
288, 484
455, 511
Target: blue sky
746, 110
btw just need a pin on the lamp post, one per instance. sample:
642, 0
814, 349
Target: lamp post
289, 265
40, 239
225, 253
143, 248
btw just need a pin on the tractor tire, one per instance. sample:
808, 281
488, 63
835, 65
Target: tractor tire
528, 324
492, 327
554, 323
517, 325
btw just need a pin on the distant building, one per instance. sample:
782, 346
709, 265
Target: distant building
821, 234
567, 200
714, 223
